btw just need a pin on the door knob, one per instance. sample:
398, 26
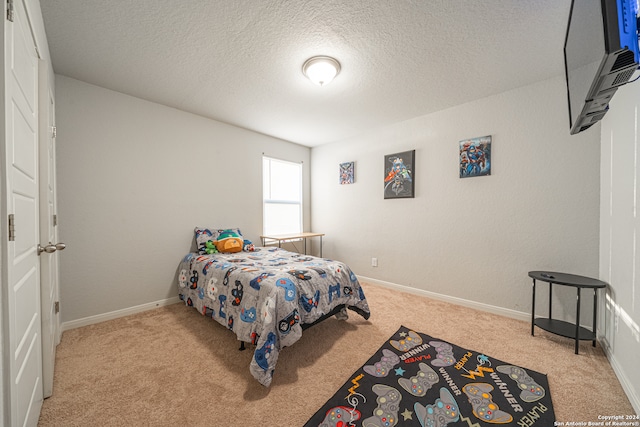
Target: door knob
50, 248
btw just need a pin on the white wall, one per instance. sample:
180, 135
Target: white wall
134, 179
472, 238
620, 238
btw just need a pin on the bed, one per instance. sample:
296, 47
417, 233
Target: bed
267, 296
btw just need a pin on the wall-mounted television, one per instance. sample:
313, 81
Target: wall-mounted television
600, 54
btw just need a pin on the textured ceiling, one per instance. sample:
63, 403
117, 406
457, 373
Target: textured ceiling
239, 61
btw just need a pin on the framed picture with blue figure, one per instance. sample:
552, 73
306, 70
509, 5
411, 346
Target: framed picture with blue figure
475, 157
399, 175
347, 174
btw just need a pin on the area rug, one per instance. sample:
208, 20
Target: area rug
418, 380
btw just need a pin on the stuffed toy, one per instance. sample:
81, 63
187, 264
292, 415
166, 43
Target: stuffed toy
229, 241
210, 247
248, 246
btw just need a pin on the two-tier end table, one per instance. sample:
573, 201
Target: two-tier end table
561, 327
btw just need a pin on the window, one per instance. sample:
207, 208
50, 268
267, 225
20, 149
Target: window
282, 196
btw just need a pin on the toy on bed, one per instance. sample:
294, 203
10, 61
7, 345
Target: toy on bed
229, 241
266, 296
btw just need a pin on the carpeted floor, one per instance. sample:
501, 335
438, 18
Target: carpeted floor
171, 366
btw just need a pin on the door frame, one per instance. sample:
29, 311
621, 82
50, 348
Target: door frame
49, 266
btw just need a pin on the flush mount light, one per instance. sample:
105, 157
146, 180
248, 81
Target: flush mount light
321, 69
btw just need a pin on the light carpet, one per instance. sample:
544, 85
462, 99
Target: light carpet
173, 367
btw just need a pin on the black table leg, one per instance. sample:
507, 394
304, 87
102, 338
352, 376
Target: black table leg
595, 317
533, 306
578, 321
550, 297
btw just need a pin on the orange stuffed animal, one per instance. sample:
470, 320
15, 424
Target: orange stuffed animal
229, 241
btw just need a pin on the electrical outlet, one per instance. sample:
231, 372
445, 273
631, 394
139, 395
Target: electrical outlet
374, 262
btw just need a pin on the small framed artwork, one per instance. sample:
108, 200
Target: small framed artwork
399, 175
347, 174
475, 157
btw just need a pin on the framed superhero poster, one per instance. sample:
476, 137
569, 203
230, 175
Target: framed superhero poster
347, 173
475, 157
399, 175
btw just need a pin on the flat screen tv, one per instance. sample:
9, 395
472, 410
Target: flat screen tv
600, 54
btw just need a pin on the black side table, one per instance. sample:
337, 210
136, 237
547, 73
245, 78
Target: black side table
560, 327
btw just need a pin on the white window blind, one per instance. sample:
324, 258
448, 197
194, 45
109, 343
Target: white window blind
282, 196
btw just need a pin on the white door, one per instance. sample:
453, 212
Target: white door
48, 231
23, 268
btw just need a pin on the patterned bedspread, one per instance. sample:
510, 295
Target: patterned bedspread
266, 296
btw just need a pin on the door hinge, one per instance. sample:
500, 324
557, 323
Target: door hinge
54, 131
10, 10
56, 307
55, 220
12, 228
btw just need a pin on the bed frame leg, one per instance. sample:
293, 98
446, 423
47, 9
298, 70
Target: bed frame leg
242, 347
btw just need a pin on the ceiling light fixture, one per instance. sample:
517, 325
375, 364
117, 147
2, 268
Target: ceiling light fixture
321, 69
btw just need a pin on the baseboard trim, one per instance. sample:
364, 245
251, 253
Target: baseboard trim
627, 386
453, 300
65, 326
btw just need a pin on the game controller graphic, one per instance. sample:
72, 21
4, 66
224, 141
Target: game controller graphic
212, 288
386, 413
237, 293
182, 278
227, 274
320, 272
223, 300
248, 315
419, 384
262, 354
383, 367
206, 267
482, 403
268, 307
309, 303
407, 343
531, 390
255, 283
442, 412
288, 322
289, 288
300, 274
203, 232
194, 280
334, 289
340, 416
444, 355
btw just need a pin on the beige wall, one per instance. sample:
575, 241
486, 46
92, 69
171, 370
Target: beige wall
134, 179
474, 238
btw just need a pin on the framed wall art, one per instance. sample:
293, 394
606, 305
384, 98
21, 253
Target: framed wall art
475, 157
399, 175
347, 173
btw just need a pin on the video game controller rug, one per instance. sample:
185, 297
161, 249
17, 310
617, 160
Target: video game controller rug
418, 380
